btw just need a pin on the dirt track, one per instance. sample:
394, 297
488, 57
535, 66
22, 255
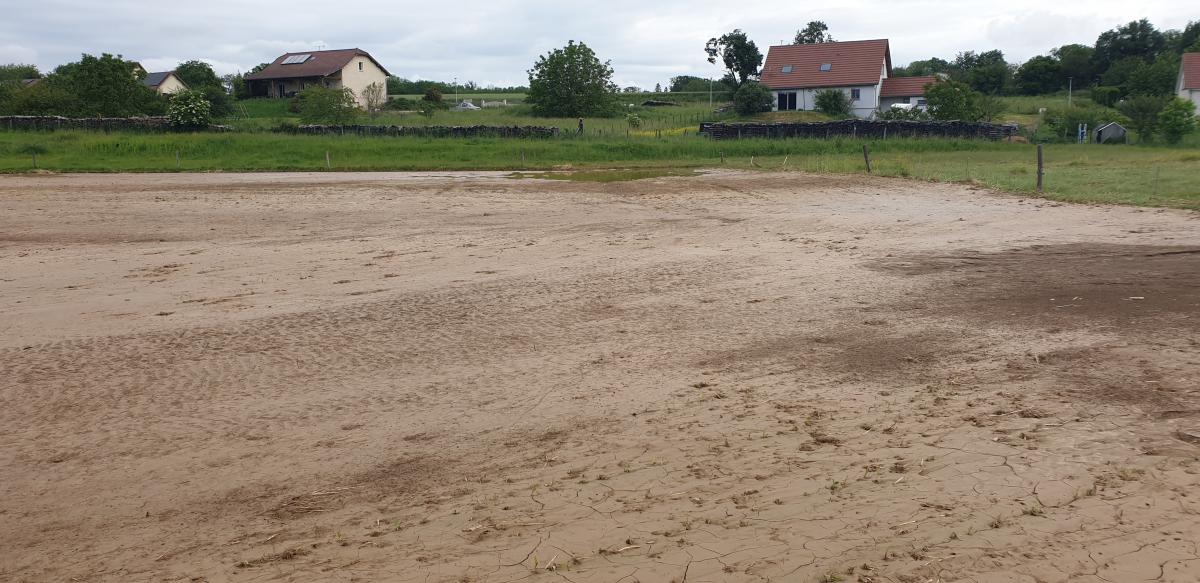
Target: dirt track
464, 377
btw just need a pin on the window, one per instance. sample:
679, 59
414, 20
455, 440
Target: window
855, 95
826, 67
786, 69
922, 102
360, 65
786, 101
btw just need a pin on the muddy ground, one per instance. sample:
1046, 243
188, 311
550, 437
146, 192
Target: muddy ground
464, 377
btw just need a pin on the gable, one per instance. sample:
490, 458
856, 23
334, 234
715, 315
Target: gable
836, 64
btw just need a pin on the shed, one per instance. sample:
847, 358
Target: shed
1110, 133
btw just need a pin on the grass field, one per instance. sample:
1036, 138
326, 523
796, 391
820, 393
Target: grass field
1085, 173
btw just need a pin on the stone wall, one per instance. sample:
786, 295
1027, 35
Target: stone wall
858, 128
427, 131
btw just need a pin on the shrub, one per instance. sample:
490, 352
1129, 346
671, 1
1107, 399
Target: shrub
432, 95
1176, 120
752, 98
953, 100
189, 110
328, 106
1106, 96
634, 120
572, 82
903, 114
833, 102
401, 104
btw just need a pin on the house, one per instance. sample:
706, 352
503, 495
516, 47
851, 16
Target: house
164, 83
291, 73
1188, 85
861, 69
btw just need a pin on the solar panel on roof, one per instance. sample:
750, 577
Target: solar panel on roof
296, 59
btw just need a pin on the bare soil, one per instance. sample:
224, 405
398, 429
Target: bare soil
464, 377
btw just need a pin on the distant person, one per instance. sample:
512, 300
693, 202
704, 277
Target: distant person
580, 132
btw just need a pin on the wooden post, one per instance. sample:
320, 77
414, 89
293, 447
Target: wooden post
522, 157
328, 163
177, 164
35, 160
722, 157
867, 158
1040, 167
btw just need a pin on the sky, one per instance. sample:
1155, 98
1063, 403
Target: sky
497, 41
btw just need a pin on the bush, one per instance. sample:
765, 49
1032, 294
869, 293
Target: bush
952, 100
432, 95
327, 106
219, 101
1176, 120
752, 98
189, 110
572, 82
401, 104
902, 114
1106, 96
634, 120
833, 102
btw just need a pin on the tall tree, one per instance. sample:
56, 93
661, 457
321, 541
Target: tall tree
814, 32
1038, 75
572, 82
1135, 39
986, 72
197, 75
924, 68
16, 72
739, 54
1189, 37
1075, 63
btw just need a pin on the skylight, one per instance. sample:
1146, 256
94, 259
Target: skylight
296, 59
825, 67
786, 69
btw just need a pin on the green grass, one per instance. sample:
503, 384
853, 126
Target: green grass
1155, 176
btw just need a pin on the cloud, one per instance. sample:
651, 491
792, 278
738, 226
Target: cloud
14, 53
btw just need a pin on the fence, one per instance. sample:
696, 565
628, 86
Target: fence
858, 128
427, 131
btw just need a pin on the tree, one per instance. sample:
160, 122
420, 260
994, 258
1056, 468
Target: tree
1176, 120
1074, 62
752, 98
924, 68
1188, 38
1038, 75
572, 82
815, 32
952, 100
658, 88
832, 102
16, 72
329, 106
903, 114
189, 109
1136, 39
197, 75
375, 96
238, 85
739, 54
41, 99
695, 84
986, 72
989, 107
1157, 78
106, 86
1142, 111
432, 95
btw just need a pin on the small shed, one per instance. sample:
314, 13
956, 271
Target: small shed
1110, 133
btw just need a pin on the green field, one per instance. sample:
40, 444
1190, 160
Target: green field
1153, 176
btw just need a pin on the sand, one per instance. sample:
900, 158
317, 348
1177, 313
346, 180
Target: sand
464, 377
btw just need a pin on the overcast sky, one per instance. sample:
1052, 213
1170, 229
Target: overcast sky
496, 41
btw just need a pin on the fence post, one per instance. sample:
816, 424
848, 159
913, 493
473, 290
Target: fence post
328, 163
1040, 166
177, 163
867, 158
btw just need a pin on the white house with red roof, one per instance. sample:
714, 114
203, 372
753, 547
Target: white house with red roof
861, 69
1188, 86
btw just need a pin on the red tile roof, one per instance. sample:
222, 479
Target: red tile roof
905, 86
1190, 69
851, 63
319, 64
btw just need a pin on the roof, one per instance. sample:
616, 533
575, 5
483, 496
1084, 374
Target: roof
156, 79
858, 62
318, 64
1189, 69
905, 86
